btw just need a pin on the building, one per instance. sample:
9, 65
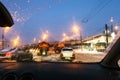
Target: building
98, 42
93, 43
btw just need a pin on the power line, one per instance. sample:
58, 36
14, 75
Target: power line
85, 19
94, 11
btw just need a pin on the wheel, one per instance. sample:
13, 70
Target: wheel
19, 58
30, 57
13, 57
61, 57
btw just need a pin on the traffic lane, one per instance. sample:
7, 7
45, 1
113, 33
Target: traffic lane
56, 58
78, 58
49, 58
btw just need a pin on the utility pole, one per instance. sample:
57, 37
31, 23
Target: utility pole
106, 34
112, 28
81, 39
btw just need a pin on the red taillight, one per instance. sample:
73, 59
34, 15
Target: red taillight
8, 54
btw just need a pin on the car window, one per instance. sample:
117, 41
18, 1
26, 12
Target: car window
67, 50
44, 28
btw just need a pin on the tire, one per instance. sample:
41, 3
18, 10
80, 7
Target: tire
12, 57
73, 57
19, 58
61, 57
30, 57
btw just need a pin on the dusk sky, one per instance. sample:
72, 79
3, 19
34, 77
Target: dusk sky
34, 17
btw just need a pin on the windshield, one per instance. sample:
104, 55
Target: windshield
44, 28
67, 50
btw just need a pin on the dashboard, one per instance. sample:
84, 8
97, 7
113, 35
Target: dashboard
56, 71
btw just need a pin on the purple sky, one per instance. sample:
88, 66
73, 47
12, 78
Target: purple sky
33, 17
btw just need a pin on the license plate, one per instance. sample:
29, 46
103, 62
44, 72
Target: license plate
67, 58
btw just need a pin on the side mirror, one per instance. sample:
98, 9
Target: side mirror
5, 17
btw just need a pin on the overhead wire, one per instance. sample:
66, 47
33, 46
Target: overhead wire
94, 11
91, 12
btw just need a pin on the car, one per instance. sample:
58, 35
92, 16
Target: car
6, 54
67, 53
21, 55
17, 54
106, 69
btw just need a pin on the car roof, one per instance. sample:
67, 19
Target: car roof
6, 49
67, 48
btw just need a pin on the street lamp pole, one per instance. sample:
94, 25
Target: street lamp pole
81, 38
111, 20
3, 38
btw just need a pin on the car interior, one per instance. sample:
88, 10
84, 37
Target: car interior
5, 17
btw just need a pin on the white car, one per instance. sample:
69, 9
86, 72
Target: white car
67, 53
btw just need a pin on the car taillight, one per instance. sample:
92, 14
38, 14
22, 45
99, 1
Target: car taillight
8, 54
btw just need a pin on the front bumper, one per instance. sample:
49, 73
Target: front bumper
67, 57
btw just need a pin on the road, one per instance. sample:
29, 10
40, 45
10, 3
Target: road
89, 57
79, 57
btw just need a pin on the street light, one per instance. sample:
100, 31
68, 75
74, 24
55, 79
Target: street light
44, 36
76, 29
65, 37
16, 41
6, 29
116, 27
34, 40
111, 21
